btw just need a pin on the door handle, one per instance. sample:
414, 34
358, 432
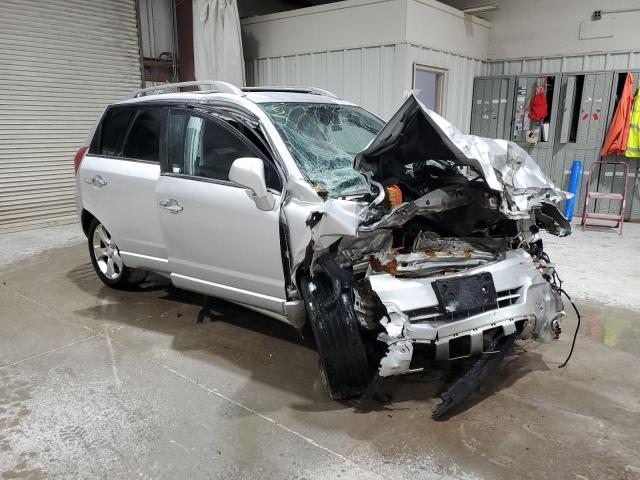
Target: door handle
96, 181
172, 205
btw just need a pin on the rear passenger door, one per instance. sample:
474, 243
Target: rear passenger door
118, 182
218, 241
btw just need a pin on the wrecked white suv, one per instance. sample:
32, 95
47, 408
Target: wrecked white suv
397, 242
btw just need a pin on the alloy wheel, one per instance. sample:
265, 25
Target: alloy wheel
106, 253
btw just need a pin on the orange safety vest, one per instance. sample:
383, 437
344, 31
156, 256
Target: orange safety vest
616, 141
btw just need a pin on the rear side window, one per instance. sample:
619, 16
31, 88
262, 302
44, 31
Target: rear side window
114, 128
143, 141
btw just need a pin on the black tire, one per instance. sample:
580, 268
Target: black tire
127, 278
343, 358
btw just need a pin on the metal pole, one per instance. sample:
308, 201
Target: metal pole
574, 181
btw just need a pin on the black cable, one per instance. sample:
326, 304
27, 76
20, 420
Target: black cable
575, 335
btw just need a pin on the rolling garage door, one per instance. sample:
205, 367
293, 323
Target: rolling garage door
61, 63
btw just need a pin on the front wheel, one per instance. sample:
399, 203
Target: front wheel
106, 260
343, 359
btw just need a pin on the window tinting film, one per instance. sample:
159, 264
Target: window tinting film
143, 142
114, 128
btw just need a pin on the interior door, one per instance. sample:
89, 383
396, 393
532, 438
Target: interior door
218, 242
584, 98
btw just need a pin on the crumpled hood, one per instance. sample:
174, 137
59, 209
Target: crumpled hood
416, 133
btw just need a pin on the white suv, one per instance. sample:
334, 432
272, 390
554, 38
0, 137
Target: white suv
390, 239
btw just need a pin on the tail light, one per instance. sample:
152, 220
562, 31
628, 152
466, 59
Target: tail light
77, 160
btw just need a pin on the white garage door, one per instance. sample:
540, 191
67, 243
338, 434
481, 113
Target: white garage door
61, 63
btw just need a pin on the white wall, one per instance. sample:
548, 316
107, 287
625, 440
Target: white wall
435, 25
371, 77
547, 28
336, 26
568, 64
375, 77
365, 51
365, 23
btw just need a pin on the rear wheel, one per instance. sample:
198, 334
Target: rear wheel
106, 260
343, 360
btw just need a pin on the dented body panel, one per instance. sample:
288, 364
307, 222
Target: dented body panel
397, 288
523, 296
394, 237
414, 131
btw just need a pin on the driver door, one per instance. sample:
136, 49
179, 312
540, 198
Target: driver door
218, 242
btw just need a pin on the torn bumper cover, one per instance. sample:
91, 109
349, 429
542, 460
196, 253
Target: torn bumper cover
524, 301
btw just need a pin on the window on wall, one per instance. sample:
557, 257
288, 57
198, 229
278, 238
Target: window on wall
428, 82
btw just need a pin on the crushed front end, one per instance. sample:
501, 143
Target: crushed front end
459, 314
445, 255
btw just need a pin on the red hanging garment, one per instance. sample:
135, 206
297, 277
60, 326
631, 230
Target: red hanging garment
538, 105
615, 142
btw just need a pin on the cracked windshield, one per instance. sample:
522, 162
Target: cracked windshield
324, 139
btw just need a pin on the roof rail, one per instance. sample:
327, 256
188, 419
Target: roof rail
218, 87
310, 90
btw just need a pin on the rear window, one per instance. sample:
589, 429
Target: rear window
143, 142
114, 128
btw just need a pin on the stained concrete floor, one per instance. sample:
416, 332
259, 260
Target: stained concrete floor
97, 383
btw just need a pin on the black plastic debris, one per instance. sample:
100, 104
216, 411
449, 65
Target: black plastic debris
475, 376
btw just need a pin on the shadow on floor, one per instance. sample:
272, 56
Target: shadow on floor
268, 351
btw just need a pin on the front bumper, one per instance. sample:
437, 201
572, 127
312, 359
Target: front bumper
526, 301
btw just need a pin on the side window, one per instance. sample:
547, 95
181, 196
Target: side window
112, 131
203, 148
143, 142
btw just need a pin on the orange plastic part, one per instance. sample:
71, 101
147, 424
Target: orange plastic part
394, 195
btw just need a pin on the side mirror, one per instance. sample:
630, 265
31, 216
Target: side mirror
249, 173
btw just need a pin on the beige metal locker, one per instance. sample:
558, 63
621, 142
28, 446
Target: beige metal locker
584, 100
492, 106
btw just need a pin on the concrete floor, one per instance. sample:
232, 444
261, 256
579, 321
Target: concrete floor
98, 383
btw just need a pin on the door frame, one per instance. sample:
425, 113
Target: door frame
564, 169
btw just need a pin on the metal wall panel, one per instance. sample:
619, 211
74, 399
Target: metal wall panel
375, 77
633, 200
565, 64
362, 75
61, 63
